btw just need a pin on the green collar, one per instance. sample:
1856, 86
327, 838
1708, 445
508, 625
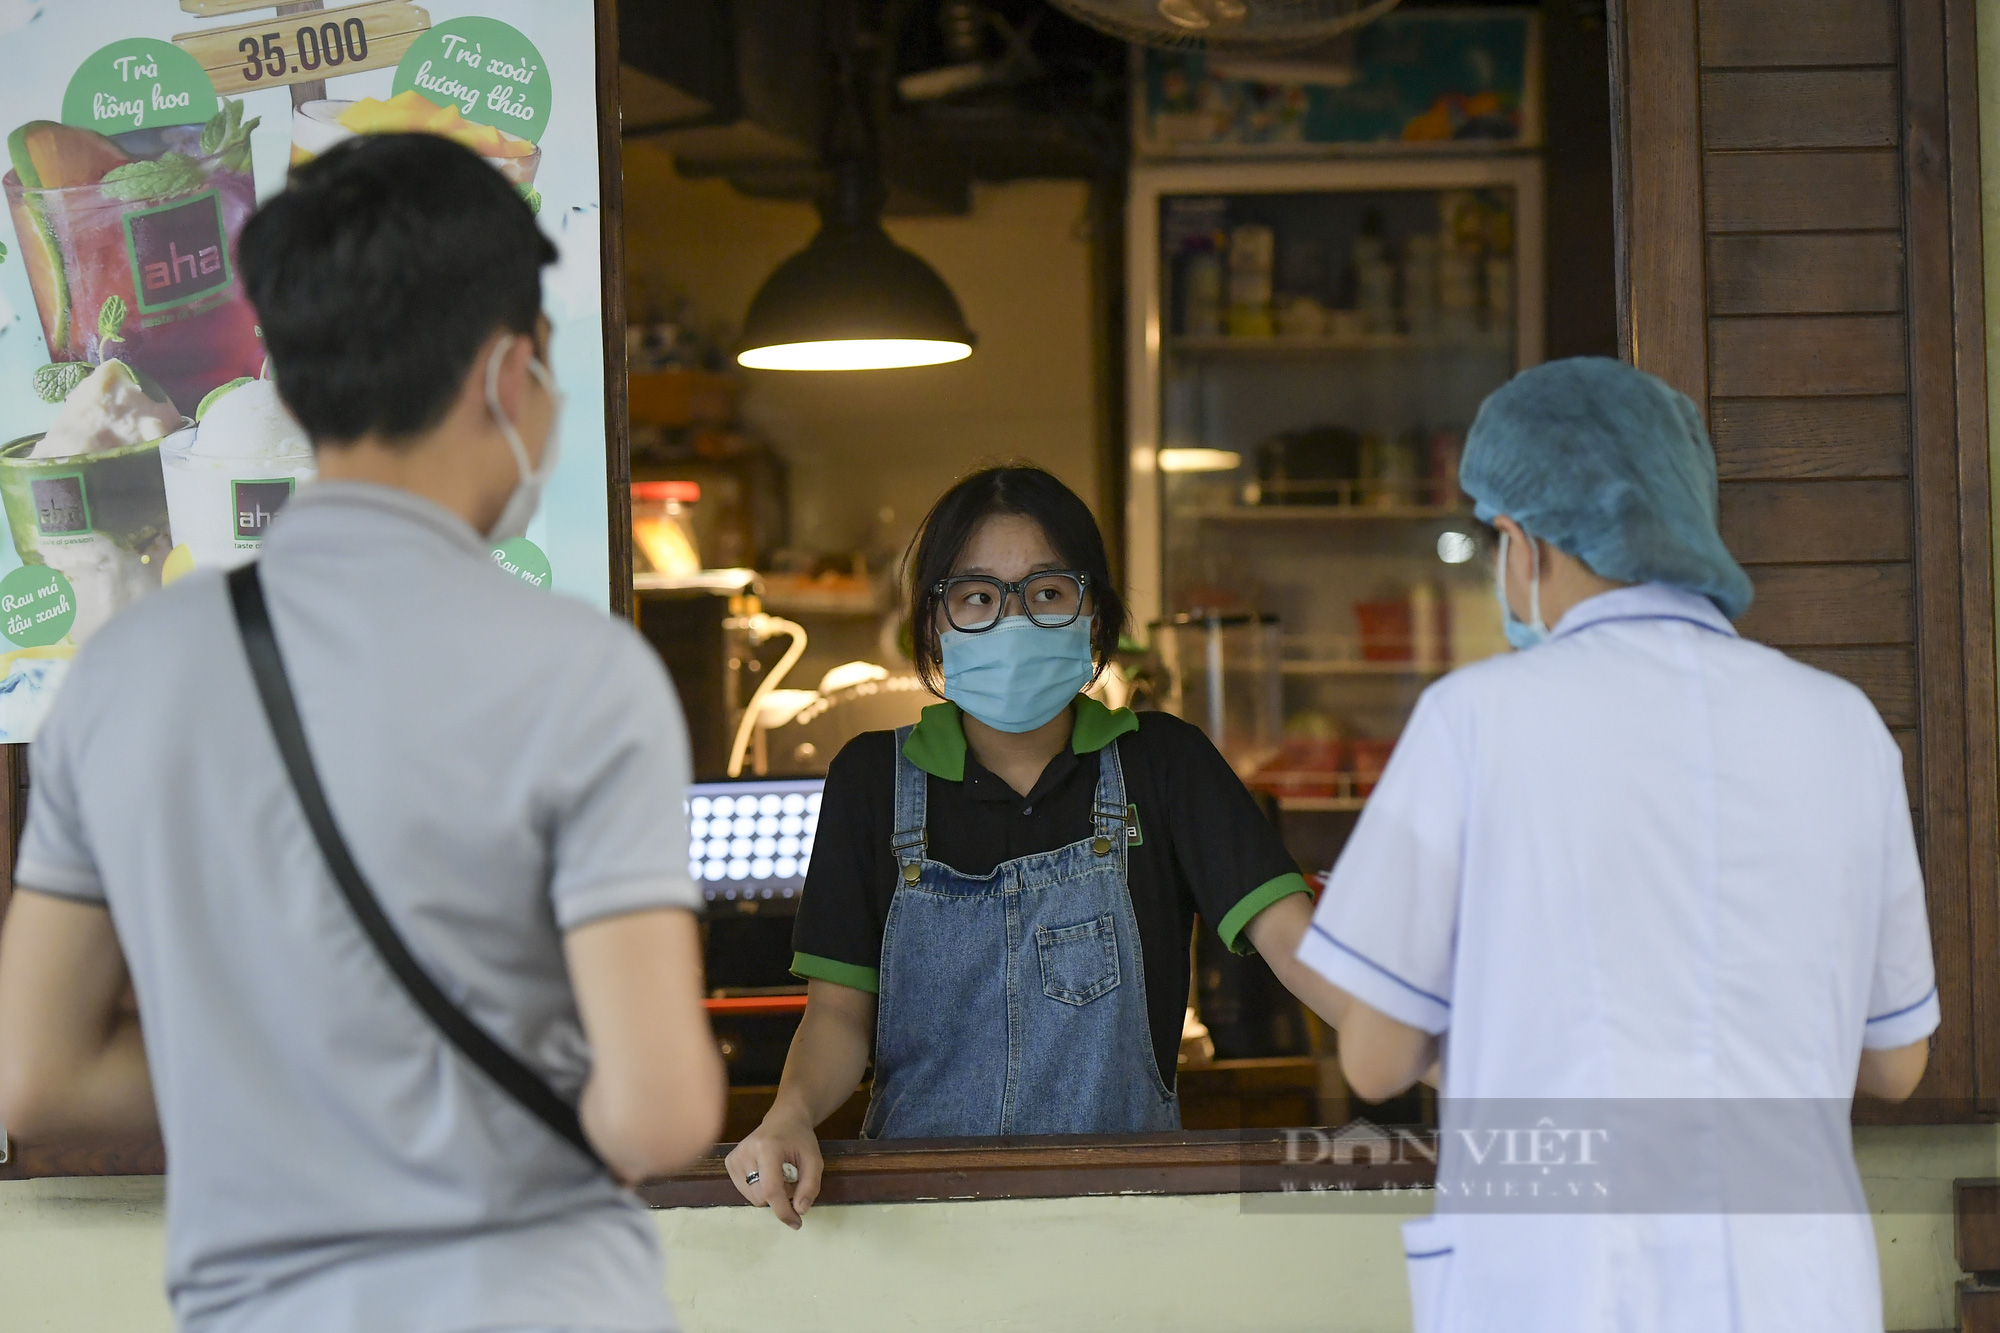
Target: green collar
937, 742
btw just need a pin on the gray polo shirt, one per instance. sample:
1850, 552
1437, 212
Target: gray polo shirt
507, 764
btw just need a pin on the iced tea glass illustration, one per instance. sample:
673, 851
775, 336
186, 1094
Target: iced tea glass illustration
140, 267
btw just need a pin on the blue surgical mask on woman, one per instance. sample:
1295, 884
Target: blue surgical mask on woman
1522, 634
1017, 676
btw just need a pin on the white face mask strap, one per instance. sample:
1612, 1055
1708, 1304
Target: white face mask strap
507, 428
1534, 579
1535, 585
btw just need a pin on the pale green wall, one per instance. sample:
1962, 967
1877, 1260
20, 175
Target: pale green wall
83, 1256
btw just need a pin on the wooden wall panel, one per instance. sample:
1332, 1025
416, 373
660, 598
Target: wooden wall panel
1935, 470
1887, 675
1821, 108
1794, 191
1807, 356
1798, 32
1832, 606
1761, 439
1813, 274
1657, 176
1979, 730
1842, 284
1807, 522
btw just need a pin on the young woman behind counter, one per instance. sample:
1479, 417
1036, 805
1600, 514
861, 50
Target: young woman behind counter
1001, 897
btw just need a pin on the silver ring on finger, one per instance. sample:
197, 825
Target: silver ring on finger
753, 1177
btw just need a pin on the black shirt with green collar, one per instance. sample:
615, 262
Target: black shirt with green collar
1203, 846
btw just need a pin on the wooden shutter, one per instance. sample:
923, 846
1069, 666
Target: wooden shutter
1799, 252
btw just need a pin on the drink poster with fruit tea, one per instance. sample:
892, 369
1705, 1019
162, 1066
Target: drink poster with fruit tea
141, 435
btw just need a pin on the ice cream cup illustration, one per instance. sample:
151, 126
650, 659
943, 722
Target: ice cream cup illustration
28, 681
318, 126
128, 242
229, 474
86, 497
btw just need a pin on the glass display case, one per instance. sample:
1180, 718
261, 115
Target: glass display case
1310, 342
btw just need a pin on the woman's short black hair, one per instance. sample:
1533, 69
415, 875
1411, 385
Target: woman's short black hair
379, 272
1032, 493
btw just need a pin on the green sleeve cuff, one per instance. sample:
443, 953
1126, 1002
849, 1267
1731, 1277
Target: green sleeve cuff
1246, 909
815, 968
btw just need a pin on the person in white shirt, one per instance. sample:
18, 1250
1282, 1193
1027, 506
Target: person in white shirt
1644, 900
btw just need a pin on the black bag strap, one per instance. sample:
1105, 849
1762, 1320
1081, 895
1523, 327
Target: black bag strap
267, 666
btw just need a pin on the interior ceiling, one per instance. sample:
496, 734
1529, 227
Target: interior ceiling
742, 89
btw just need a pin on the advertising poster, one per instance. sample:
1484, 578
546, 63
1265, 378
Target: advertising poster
140, 436
1419, 79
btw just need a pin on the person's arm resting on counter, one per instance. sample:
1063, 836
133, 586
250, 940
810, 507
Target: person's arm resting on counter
1903, 996
1379, 1056
655, 1098
72, 1064
1893, 1074
822, 1069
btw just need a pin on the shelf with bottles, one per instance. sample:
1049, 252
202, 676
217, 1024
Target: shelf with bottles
1322, 773
1343, 271
1321, 473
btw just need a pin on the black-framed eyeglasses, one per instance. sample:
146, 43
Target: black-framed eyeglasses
1051, 599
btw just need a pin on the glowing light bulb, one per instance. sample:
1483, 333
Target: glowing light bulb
854, 354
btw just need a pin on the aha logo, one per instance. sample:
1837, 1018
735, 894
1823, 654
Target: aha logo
178, 252
61, 508
257, 503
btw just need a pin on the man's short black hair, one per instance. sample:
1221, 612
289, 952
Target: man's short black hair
379, 272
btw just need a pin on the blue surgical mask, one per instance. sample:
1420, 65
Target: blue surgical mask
1017, 676
1522, 634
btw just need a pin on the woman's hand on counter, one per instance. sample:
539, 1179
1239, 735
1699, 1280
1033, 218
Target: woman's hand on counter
782, 1140
828, 1056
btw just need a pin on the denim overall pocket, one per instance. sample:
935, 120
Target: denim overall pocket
1080, 962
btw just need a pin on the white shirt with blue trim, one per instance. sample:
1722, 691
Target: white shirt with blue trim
1646, 860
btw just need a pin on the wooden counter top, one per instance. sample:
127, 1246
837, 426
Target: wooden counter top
1060, 1166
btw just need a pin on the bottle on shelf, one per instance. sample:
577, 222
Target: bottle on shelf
1499, 293
1202, 291
1420, 286
1458, 294
1442, 451
1374, 277
1427, 630
1252, 255
1389, 470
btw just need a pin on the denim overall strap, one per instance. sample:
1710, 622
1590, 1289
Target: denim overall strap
1015, 1002
911, 837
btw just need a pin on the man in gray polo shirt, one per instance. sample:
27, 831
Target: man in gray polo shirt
508, 767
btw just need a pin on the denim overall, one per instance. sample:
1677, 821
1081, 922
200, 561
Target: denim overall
1015, 1002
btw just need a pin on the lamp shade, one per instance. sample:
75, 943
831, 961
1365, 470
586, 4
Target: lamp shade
853, 300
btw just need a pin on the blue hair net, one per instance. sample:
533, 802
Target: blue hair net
1610, 465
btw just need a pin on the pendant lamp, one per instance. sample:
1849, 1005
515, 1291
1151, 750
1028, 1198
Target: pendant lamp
853, 299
